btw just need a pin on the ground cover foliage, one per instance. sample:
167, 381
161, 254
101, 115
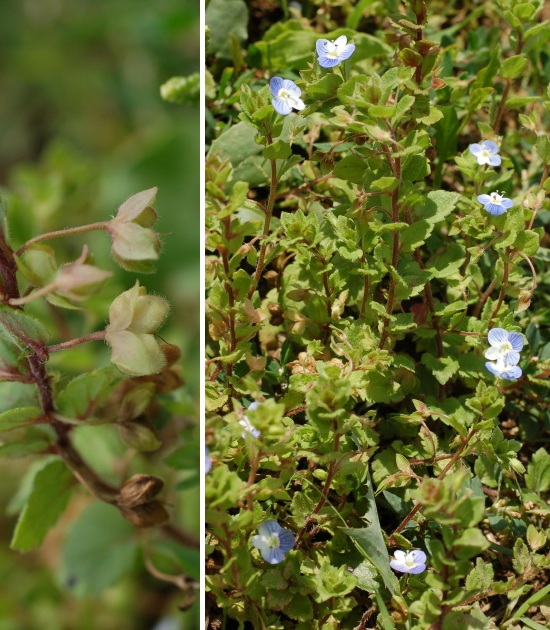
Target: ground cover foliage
99, 460
353, 277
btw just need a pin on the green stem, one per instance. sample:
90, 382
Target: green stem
442, 474
267, 221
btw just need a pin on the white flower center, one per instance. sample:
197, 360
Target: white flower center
285, 94
333, 54
272, 541
506, 346
485, 153
496, 198
409, 562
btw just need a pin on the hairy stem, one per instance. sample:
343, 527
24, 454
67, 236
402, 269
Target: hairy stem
96, 336
66, 232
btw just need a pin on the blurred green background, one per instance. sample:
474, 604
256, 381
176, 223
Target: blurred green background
83, 127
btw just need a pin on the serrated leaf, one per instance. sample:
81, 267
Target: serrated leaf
443, 368
47, 500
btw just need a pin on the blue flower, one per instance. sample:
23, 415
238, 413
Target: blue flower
503, 354
247, 425
486, 153
273, 541
330, 54
495, 204
410, 562
504, 345
286, 95
207, 460
503, 370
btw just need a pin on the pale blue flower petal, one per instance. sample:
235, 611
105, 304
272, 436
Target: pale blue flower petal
516, 341
275, 85
398, 566
484, 199
489, 145
493, 368
492, 353
512, 373
323, 46
475, 148
418, 569
497, 336
494, 160
286, 540
495, 209
269, 527
507, 203
340, 42
328, 62
292, 87
418, 556
281, 106
511, 358
273, 556
347, 52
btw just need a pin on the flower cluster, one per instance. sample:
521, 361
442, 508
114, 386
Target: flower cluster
503, 354
286, 94
273, 541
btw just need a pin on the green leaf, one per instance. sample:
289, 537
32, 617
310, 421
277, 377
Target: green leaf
22, 329
351, 168
443, 368
524, 11
81, 397
382, 111
513, 67
481, 577
47, 500
224, 17
537, 477
527, 242
277, 151
471, 542
486, 75
543, 148
98, 551
385, 183
15, 418
370, 541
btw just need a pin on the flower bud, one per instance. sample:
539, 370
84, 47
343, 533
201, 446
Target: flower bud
78, 282
134, 243
133, 317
